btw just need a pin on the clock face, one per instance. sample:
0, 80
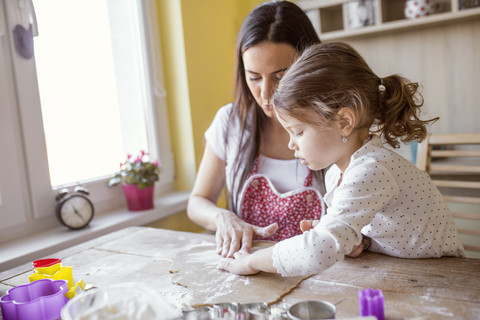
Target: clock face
75, 211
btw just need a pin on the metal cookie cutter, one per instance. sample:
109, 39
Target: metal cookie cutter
39, 300
227, 311
312, 310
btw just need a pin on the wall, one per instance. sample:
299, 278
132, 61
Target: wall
198, 50
198, 47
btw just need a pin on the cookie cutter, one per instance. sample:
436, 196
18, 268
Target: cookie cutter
40, 263
371, 303
204, 313
39, 300
312, 310
54, 272
227, 310
73, 290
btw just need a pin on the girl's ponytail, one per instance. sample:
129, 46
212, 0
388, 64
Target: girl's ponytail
398, 111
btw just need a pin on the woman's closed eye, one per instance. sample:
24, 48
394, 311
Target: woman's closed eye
298, 134
278, 76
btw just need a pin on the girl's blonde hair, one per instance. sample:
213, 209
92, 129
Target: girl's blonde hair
330, 76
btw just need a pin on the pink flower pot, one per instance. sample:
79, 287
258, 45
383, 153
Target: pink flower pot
138, 199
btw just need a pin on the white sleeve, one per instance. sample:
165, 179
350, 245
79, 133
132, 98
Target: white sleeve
216, 134
331, 177
308, 253
354, 204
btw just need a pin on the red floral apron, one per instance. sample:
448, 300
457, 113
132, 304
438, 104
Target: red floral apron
261, 205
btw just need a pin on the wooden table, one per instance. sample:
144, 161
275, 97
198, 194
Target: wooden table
446, 288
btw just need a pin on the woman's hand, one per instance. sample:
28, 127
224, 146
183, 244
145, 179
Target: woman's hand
234, 234
356, 251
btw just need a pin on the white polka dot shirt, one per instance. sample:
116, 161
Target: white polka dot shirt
382, 196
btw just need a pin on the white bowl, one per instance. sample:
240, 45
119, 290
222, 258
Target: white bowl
126, 301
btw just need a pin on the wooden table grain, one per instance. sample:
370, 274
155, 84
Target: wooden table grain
445, 288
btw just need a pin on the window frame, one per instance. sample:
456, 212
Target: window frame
38, 199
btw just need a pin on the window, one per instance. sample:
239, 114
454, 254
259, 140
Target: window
98, 115
96, 82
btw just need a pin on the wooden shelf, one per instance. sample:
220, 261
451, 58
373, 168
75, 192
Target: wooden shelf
328, 17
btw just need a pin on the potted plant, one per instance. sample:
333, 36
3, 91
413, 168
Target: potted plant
137, 176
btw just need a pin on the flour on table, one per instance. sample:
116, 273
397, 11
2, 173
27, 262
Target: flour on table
196, 269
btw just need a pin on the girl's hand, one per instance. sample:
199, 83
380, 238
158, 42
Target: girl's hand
239, 264
234, 234
308, 224
356, 251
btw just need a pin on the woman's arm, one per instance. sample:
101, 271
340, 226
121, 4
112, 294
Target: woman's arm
208, 186
232, 233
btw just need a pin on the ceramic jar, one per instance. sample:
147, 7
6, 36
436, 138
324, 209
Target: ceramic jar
419, 8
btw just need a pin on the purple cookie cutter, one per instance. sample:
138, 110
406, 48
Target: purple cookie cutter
40, 300
371, 303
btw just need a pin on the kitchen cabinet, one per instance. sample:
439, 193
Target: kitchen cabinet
329, 17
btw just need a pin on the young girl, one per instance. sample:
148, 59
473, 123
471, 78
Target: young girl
330, 102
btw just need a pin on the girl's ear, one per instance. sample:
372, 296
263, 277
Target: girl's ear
346, 120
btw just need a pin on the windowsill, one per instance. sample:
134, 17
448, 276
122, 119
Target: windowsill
42, 244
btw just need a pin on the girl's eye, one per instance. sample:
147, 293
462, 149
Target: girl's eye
299, 134
254, 78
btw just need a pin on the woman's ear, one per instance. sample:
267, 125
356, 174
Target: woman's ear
346, 120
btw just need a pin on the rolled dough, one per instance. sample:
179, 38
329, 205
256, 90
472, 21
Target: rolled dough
197, 270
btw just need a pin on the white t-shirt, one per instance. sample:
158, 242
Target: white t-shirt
383, 196
285, 175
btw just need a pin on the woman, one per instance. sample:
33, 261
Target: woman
270, 192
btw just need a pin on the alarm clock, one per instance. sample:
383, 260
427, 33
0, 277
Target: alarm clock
74, 209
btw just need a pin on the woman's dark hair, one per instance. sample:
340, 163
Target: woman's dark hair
331, 76
278, 22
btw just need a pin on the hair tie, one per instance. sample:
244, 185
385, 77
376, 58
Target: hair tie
381, 87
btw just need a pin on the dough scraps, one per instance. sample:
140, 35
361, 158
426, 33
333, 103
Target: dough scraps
196, 269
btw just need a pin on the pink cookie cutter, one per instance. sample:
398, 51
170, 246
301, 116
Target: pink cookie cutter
39, 300
41, 263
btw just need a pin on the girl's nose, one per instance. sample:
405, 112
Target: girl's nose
291, 144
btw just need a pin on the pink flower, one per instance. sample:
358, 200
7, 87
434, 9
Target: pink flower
155, 163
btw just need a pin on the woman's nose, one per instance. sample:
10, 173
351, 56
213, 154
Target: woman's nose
267, 89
